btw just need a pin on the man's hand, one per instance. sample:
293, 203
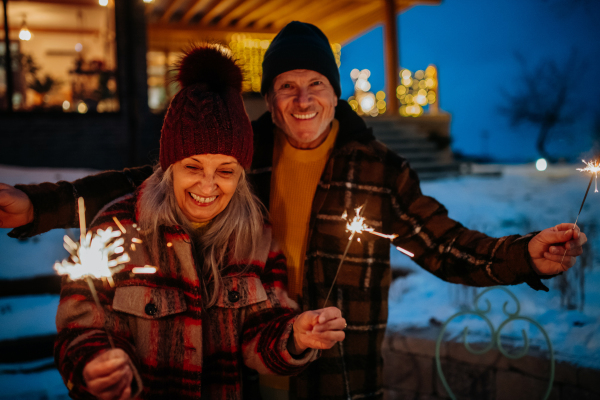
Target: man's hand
15, 207
319, 329
548, 246
109, 375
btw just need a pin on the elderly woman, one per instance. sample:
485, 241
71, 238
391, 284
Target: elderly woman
218, 298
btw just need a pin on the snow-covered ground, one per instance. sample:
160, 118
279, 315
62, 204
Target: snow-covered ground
520, 201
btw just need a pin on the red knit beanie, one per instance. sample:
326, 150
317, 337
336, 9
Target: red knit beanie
207, 116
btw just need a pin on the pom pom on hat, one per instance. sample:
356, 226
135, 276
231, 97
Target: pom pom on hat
207, 116
212, 65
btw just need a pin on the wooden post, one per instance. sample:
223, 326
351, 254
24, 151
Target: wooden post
8, 61
391, 57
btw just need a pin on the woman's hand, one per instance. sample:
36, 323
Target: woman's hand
109, 375
319, 329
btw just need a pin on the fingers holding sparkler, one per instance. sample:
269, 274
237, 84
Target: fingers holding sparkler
547, 248
109, 375
318, 329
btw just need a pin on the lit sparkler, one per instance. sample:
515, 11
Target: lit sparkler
592, 167
95, 256
358, 225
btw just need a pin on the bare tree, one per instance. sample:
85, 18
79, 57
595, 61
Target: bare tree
544, 96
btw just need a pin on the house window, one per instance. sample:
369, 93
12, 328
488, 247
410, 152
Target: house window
63, 57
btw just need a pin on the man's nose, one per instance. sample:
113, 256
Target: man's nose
303, 98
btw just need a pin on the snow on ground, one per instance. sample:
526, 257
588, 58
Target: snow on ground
520, 201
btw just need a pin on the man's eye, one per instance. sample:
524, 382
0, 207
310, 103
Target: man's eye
317, 83
286, 86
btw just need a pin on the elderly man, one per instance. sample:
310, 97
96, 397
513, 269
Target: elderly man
314, 160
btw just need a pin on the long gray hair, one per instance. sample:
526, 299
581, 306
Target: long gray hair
234, 233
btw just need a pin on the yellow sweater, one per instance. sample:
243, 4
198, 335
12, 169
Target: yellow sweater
296, 174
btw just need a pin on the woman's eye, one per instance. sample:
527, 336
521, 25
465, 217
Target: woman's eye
192, 167
226, 172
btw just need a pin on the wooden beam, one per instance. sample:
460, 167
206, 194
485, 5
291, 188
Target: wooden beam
239, 11
209, 12
173, 37
283, 12
195, 8
172, 6
356, 27
344, 19
391, 57
307, 14
260, 11
41, 29
78, 3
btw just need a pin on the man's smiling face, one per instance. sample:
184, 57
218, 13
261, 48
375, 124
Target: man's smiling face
302, 104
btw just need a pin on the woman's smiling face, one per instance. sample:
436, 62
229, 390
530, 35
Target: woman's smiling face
204, 184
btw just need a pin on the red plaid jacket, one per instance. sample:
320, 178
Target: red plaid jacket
179, 349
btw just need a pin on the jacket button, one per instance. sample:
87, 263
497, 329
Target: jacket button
233, 296
151, 309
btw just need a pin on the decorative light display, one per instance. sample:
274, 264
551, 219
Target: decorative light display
24, 33
418, 91
250, 51
365, 102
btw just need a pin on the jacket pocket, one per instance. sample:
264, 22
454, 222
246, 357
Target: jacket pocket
148, 302
241, 291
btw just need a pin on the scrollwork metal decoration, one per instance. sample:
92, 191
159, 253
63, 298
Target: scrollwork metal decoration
495, 336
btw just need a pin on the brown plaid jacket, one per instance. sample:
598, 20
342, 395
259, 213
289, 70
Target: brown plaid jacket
180, 349
360, 170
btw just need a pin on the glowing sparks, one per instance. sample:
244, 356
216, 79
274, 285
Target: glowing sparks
94, 256
147, 269
592, 167
358, 225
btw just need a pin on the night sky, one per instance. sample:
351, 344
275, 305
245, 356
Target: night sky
473, 44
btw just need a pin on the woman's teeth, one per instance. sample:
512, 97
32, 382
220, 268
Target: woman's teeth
203, 199
305, 116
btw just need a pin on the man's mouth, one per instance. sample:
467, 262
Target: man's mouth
203, 200
305, 116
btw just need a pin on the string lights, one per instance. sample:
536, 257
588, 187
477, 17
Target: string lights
250, 52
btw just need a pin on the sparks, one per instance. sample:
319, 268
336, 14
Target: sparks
592, 167
95, 256
358, 225
146, 269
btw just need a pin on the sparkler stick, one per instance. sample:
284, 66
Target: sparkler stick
580, 208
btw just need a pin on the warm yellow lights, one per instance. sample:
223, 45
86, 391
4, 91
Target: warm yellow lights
82, 108
250, 51
66, 105
24, 33
417, 91
103, 3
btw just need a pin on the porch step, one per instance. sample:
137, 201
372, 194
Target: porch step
423, 141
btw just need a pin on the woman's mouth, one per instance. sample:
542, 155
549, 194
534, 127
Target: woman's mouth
202, 200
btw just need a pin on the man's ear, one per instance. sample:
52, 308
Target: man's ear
268, 101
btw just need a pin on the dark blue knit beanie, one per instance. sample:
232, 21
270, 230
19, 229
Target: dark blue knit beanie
300, 46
